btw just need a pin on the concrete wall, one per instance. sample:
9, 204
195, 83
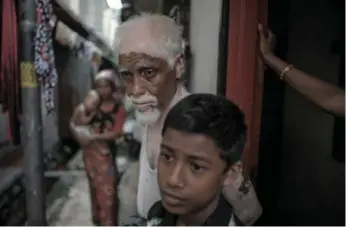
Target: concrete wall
205, 18
75, 79
312, 183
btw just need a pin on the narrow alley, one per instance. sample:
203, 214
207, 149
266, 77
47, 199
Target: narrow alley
294, 153
69, 200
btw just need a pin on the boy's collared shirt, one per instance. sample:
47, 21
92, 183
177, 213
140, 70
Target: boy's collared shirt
222, 216
241, 194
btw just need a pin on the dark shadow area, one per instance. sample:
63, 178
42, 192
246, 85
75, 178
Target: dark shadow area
291, 177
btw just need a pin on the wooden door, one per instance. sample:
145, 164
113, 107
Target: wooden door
244, 80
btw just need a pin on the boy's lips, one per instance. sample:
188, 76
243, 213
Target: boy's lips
172, 199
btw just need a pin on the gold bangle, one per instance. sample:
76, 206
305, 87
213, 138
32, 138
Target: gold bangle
283, 72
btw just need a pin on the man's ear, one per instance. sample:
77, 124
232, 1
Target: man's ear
233, 173
180, 66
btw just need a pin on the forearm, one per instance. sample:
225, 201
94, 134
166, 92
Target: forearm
73, 123
242, 196
107, 136
323, 94
73, 131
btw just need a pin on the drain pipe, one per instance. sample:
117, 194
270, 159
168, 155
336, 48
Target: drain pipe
32, 119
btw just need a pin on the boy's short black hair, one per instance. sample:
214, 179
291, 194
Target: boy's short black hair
213, 116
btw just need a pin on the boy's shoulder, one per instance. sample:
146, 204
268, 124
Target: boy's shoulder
158, 216
222, 216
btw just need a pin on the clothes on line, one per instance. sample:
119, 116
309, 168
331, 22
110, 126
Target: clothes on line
44, 53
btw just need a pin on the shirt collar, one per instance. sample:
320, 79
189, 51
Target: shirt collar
220, 217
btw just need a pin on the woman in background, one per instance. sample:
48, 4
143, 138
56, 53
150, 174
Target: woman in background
100, 165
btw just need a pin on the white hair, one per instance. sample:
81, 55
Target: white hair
105, 74
153, 34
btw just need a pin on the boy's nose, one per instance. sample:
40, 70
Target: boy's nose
176, 179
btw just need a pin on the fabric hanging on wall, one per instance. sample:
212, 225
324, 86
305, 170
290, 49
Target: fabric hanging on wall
89, 50
84, 49
44, 53
79, 48
9, 73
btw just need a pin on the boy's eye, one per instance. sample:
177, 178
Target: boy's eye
166, 156
197, 168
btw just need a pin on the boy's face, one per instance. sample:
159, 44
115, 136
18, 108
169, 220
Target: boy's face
191, 172
91, 104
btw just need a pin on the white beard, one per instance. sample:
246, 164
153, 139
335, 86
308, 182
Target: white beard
148, 118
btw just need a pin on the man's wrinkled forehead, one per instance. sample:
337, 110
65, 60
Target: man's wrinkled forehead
143, 43
135, 60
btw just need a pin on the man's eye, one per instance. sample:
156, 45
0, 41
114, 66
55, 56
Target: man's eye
148, 73
126, 75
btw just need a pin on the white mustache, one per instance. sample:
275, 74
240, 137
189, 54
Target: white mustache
144, 100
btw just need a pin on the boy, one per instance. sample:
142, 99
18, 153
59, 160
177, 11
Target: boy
203, 140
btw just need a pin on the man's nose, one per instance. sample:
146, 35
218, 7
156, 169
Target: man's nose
138, 87
176, 179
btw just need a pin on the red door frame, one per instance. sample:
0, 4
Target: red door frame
244, 71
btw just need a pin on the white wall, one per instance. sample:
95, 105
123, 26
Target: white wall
111, 19
205, 20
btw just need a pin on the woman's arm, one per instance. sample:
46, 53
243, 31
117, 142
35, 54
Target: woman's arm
73, 120
323, 94
117, 129
85, 119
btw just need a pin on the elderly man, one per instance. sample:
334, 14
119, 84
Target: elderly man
151, 64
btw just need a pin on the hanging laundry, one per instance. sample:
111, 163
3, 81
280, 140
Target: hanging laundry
9, 75
44, 53
83, 49
89, 50
86, 50
96, 61
78, 48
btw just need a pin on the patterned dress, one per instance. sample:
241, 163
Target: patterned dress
100, 166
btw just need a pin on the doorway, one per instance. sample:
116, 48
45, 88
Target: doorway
300, 182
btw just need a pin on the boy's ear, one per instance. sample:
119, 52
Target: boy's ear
233, 173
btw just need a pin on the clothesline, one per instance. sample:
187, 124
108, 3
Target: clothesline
70, 19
